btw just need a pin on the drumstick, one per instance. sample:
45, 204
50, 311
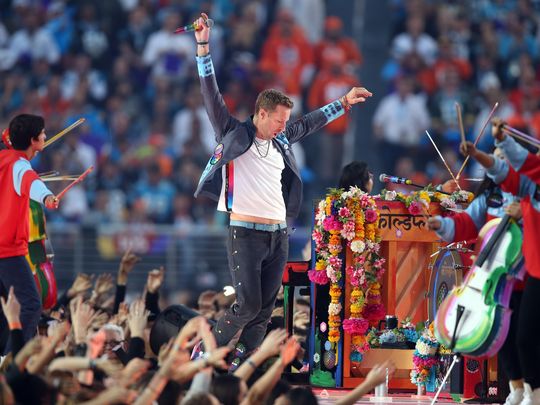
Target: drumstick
460, 122
442, 158
76, 181
478, 137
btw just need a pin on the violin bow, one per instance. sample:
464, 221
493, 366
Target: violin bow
58, 178
64, 131
443, 160
74, 182
51, 173
478, 137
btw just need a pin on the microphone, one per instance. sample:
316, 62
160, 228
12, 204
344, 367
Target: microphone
195, 26
384, 178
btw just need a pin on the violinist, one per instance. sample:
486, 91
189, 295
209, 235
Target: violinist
19, 183
491, 202
519, 175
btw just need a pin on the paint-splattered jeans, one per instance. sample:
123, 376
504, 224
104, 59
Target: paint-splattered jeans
256, 262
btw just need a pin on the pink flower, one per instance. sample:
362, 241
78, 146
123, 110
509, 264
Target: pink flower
371, 216
331, 223
344, 212
374, 312
355, 326
318, 277
415, 208
379, 262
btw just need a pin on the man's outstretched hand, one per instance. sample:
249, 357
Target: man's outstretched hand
357, 95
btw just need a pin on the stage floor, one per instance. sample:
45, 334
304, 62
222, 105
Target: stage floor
329, 396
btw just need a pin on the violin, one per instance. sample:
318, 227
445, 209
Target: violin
475, 317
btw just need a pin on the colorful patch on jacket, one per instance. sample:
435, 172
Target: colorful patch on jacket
216, 157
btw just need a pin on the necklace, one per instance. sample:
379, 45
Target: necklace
257, 144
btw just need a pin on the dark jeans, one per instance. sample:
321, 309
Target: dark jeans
256, 261
15, 271
529, 332
508, 355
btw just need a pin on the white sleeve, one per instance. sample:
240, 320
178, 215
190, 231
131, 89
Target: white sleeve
38, 189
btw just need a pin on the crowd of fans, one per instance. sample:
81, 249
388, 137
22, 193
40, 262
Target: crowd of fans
94, 348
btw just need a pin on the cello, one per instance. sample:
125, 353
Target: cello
474, 318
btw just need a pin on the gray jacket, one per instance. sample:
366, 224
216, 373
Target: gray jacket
234, 138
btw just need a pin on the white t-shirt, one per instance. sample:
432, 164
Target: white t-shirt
255, 182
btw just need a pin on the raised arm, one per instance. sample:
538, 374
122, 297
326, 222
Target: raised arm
220, 117
520, 159
328, 113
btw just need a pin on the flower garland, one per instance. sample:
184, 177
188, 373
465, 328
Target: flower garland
349, 217
425, 357
417, 201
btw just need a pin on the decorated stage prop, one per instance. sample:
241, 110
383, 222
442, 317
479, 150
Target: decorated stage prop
373, 263
40, 257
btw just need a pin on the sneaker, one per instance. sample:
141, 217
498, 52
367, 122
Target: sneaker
515, 397
530, 396
234, 365
198, 351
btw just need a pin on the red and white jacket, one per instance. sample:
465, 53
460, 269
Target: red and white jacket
522, 178
18, 183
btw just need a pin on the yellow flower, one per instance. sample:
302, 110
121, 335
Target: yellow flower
470, 197
320, 265
358, 339
357, 293
425, 196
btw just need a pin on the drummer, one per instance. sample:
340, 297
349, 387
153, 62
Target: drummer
490, 202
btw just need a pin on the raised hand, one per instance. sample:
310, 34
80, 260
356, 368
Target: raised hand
81, 315
137, 318
104, 283
271, 345
82, 283
203, 34
377, 375
357, 95
468, 148
289, 350
126, 266
155, 279
11, 307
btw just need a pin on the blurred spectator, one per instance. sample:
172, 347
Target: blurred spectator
32, 42
335, 46
169, 54
90, 36
309, 14
400, 120
154, 195
289, 55
330, 84
82, 73
192, 128
415, 40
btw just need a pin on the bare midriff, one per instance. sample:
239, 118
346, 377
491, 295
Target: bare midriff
251, 218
